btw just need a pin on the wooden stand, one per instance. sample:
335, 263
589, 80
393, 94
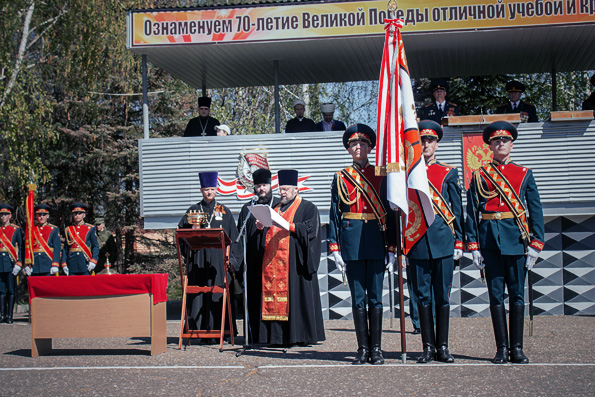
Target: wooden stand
112, 316
586, 115
195, 240
481, 119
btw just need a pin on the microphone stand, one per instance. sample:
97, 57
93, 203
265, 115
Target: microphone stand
243, 235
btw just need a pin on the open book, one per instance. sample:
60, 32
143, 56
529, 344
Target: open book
268, 217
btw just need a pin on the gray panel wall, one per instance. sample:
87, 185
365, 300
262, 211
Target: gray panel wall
561, 155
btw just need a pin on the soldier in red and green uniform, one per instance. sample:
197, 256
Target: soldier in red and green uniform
505, 233
11, 253
81, 249
431, 259
46, 245
362, 239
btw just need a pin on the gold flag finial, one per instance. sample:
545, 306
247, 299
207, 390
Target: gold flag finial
32, 186
392, 5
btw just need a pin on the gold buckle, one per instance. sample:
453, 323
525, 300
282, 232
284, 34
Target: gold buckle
498, 215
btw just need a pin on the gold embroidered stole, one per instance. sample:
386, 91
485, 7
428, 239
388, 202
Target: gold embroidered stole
275, 268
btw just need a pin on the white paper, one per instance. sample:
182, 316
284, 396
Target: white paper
268, 217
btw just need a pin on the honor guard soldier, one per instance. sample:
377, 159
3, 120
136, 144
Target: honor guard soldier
46, 245
11, 250
438, 109
505, 233
431, 259
81, 249
515, 105
361, 230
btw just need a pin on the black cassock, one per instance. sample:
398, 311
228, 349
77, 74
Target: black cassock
206, 268
305, 325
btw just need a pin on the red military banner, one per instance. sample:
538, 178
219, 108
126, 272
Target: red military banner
475, 154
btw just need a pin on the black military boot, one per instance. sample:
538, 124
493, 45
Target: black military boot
517, 321
426, 322
360, 320
9, 309
376, 335
500, 333
2, 308
442, 321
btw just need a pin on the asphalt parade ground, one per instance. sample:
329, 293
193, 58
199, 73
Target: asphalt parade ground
561, 351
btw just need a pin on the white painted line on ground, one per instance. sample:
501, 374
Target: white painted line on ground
161, 367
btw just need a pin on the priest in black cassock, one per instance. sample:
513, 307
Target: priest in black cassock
286, 309
255, 240
204, 124
206, 267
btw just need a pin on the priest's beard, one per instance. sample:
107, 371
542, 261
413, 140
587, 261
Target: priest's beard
266, 199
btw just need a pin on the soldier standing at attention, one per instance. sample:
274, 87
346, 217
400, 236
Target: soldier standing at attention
361, 235
11, 252
46, 245
81, 249
505, 233
431, 259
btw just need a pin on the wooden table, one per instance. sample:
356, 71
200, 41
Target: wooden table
118, 305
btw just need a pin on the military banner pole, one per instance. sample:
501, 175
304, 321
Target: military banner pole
401, 294
531, 306
398, 147
391, 296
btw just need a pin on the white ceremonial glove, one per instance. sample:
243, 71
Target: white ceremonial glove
28, 270
54, 270
391, 262
478, 259
532, 256
65, 270
339, 261
458, 254
16, 269
90, 266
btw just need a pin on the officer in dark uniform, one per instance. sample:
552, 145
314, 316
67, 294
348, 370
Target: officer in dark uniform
431, 259
505, 233
361, 225
204, 124
439, 108
46, 245
108, 249
515, 105
81, 249
589, 103
11, 249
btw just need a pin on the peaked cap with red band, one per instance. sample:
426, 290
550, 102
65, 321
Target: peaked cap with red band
430, 128
359, 132
499, 129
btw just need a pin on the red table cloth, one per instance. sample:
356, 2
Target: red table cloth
99, 285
